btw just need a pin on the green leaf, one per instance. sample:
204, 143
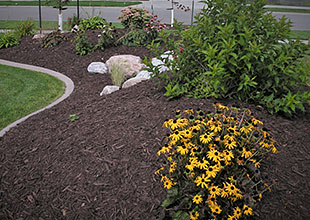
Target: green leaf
168, 201
180, 215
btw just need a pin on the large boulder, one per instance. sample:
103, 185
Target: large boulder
129, 63
108, 90
97, 67
132, 82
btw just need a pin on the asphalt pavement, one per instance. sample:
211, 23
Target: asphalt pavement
300, 21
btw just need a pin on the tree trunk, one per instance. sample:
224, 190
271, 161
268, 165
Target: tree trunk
60, 19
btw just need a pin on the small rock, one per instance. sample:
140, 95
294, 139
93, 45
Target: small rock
75, 29
132, 82
97, 67
108, 90
160, 64
144, 74
38, 36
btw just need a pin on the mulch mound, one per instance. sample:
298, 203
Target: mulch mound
102, 165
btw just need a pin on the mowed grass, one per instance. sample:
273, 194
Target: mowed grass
23, 92
46, 25
73, 3
304, 35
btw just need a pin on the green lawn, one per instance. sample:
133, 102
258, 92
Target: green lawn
304, 35
73, 3
46, 25
23, 92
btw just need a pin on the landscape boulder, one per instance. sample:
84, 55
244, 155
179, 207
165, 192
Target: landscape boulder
108, 90
132, 82
130, 64
97, 67
144, 74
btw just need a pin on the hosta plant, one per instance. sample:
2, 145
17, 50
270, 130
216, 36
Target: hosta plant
237, 49
211, 163
93, 23
9, 39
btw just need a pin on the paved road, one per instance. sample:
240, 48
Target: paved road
300, 20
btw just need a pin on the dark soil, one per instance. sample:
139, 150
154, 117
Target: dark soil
102, 165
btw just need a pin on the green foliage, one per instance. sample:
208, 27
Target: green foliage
107, 38
118, 73
53, 39
237, 50
73, 117
83, 46
25, 28
210, 164
9, 39
59, 4
135, 17
142, 27
93, 23
71, 22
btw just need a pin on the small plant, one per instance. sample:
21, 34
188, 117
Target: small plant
106, 38
73, 117
211, 163
135, 17
118, 73
71, 22
93, 23
9, 39
25, 28
53, 39
83, 46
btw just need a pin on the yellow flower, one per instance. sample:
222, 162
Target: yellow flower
182, 122
190, 167
174, 124
211, 171
202, 181
246, 130
168, 183
214, 155
231, 217
197, 199
246, 154
194, 216
182, 150
256, 164
230, 144
167, 123
203, 165
237, 212
188, 111
231, 189
214, 191
187, 134
159, 170
215, 208
228, 155
172, 167
176, 136
255, 121
206, 138
247, 210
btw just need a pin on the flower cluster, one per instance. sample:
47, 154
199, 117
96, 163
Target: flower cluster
154, 25
135, 17
212, 160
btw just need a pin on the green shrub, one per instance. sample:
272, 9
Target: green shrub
93, 23
83, 46
107, 38
9, 39
53, 39
237, 50
210, 164
25, 29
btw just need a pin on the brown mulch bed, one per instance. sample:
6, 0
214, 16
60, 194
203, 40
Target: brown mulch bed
102, 165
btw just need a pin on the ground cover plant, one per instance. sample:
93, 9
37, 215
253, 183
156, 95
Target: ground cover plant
23, 92
236, 50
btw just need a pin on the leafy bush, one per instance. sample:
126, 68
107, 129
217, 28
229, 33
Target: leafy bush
211, 163
237, 50
93, 23
107, 38
53, 39
135, 17
83, 46
9, 39
71, 22
25, 29
142, 27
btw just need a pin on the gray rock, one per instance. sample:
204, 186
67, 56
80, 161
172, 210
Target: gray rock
97, 67
132, 82
160, 64
108, 90
38, 36
144, 74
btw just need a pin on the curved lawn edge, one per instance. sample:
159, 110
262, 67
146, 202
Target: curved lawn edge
69, 87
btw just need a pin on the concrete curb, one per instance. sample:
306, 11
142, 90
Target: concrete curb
68, 90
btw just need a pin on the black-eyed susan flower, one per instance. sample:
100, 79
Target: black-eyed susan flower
187, 134
230, 144
246, 154
211, 171
202, 181
247, 210
197, 199
177, 135
203, 165
231, 217
214, 191
255, 121
215, 208
256, 164
177, 113
227, 155
237, 212
174, 124
194, 215
189, 111
206, 138
214, 155
182, 150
